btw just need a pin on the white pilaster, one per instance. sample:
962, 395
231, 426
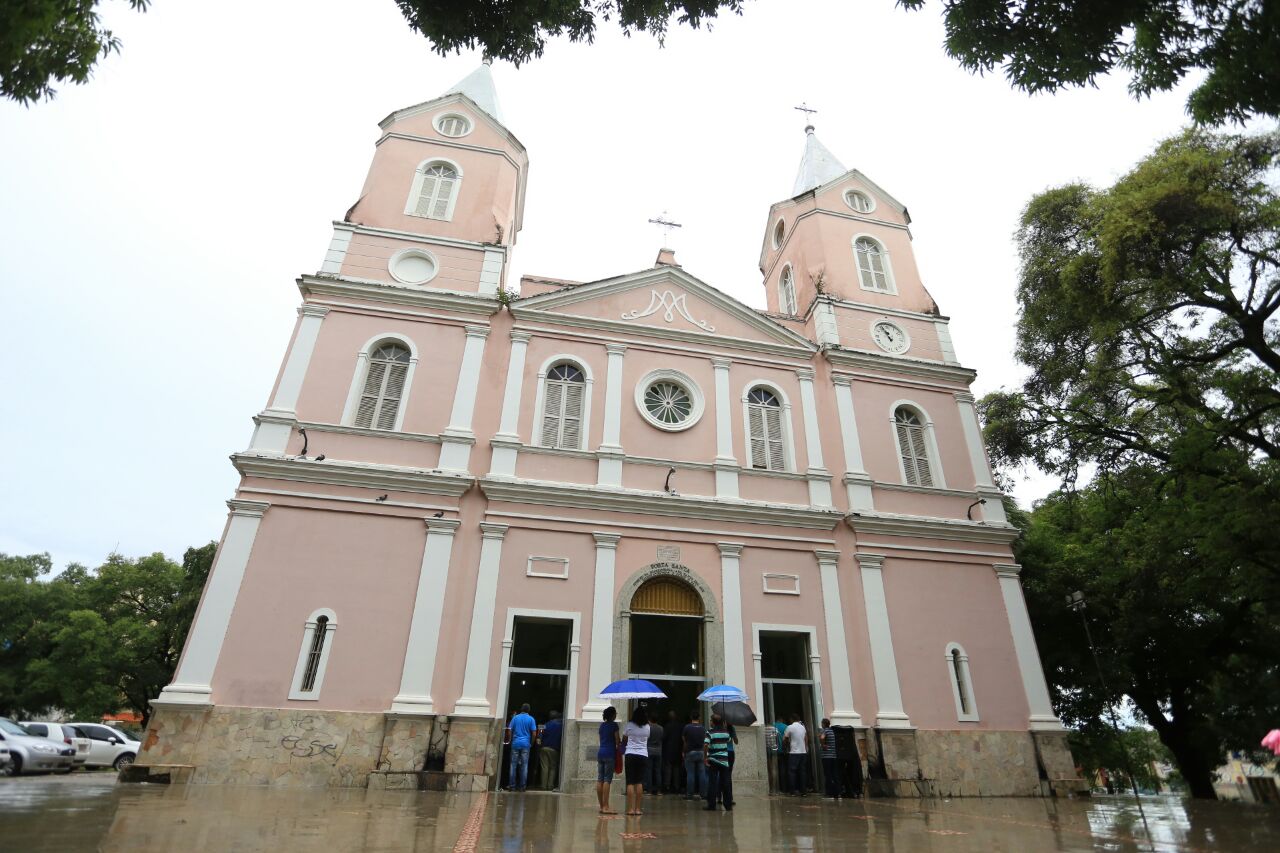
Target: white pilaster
1024, 647
337, 250
843, 713
424, 629
475, 681
275, 424
735, 661
947, 349
726, 464
457, 438
819, 477
993, 509
890, 714
491, 272
190, 684
507, 439
599, 673
857, 482
824, 323
610, 451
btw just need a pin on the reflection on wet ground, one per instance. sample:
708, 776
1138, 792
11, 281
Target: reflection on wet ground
90, 812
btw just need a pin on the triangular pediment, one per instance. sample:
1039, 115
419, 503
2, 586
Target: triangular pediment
664, 302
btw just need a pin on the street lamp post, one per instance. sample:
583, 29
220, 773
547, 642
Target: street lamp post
1076, 602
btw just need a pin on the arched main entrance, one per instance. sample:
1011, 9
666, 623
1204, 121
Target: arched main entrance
668, 642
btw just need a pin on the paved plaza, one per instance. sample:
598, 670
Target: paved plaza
90, 812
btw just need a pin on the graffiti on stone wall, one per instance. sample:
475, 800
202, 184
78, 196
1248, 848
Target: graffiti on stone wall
314, 749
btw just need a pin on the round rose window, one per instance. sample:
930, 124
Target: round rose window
668, 403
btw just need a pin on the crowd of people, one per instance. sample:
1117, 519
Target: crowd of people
688, 759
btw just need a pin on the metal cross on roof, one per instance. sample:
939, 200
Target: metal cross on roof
666, 225
808, 113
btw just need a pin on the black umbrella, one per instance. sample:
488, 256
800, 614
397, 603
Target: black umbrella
735, 713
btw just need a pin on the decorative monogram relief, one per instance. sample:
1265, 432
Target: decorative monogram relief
670, 305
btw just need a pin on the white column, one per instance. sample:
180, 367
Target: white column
610, 450
1024, 647
993, 509
600, 671
883, 663
475, 681
824, 322
337, 253
457, 437
819, 477
857, 482
945, 346
191, 682
506, 442
735, 660
424, 629
726, 464
491, 272
843, 713
275, 424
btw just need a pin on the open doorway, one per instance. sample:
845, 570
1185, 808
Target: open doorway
788, 688
538, 675
668, 646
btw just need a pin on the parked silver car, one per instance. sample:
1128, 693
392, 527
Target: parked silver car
64, 734
108, 746
4, 756
29, 753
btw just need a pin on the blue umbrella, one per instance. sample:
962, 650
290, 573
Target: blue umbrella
723, 693
632, 688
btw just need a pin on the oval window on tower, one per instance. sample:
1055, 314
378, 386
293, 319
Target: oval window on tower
859, 201
452, 124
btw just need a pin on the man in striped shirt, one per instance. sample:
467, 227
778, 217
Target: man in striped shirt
715, 754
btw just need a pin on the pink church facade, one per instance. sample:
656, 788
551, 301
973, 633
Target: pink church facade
465, 494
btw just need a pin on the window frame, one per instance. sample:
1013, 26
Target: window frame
931, 445
415, 189
696, 398
441, 118
787, 287
788, 431
955, 653
540, 397
413, 253
361, 373
868, 196
886, 260
778, 235
308, 637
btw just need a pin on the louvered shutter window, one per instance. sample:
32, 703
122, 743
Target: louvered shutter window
318, 636
383, 387
788, 291
438, 184
911, 447
764, 419
562, 407
871, 266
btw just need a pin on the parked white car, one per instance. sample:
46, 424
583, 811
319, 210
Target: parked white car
4, 757
62, 733
108, 747
31, 753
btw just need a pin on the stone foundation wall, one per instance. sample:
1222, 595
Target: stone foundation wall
979, 763
284, 747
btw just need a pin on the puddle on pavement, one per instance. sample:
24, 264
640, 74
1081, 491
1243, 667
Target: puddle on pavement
90, 812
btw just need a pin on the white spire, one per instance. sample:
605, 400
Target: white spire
478, 86
817, 166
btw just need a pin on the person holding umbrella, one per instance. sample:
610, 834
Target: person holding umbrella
611, 743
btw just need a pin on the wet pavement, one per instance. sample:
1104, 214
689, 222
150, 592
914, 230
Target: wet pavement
88, 811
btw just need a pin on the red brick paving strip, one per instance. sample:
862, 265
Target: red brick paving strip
471, 829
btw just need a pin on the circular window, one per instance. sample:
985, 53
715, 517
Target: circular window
412, 266
452, 124
669, 400
859, 201
779, 231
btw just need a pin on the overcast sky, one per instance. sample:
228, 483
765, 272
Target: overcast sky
155, 219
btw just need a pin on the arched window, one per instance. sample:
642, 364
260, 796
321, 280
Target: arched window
787, 291
562, 407
961, 683
873, 265
313, 658
383, 387
439, 185
764, 421
912, 447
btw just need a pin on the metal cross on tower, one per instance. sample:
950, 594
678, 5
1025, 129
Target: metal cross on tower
666, 225
808, 114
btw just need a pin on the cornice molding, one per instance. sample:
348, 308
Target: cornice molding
248, 509
541, 492
931, 528
430, 239
353, 474
866, 360
398, 295
344, 429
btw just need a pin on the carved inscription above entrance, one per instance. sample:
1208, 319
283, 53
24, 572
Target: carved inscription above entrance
668, 553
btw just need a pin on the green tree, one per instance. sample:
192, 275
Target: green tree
48, 41
517, 30
1097, 747
1047, 45
30, 608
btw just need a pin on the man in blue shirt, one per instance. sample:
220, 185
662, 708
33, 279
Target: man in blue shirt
523, 727
549, 751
